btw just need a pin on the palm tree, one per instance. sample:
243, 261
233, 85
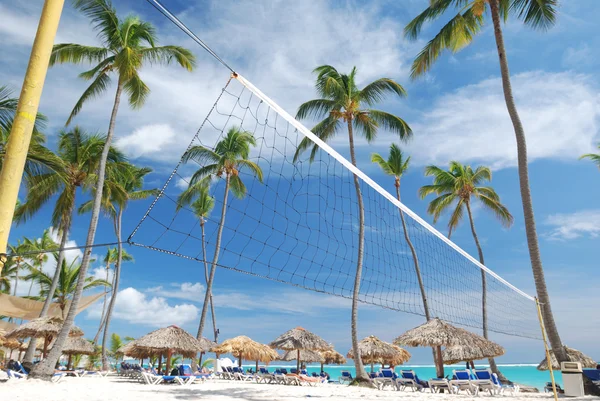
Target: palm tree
18, 260
39, 158
128, 45
110, 258
40, 247
66, 284
455, 35
594, 157
201, 207
80, 154
341, 104
228, 158
396, 165
455, 188
6, 276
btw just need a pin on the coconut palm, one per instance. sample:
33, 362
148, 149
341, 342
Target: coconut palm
455, 189
129, 44
458, 33
229, 158
201, 207
80, 154
594, 157
19, 262
342, 105
396, 165
39, 158
39, 247
6, 276
110, 258
66, 284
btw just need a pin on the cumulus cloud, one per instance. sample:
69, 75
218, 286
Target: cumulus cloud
560, 113
136, 307
154, 141
568, 226
188, 291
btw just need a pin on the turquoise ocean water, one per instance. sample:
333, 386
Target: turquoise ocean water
521, 373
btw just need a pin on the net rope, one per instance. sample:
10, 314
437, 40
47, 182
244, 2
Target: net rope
300, 227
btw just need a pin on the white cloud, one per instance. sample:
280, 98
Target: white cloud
188, 291
567, 226
183, 183
154, 141
136, 307
560, 113
70, 255
99, 273
577, 57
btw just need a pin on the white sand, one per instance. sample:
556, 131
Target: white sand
115, 388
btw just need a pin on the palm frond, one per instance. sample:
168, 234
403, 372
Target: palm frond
104, 17
166, 54
201, 155
500, 211
253, 167
365, 126
96, 88
377, 90
456, 216
383, 164
391, 123
540, 14
76, 54
136, 90
104, 66
316, 109
435, 9
237, 187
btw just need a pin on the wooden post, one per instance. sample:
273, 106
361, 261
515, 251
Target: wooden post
168, 370
240, 360
548, 359
298, 362
69, 362
159, 362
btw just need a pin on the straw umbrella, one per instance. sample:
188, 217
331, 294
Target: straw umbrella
574, 356
243, 347
77, 346
299, 339
43, 327
373, 350
472, 352
305, 356
437, 333
332, 357
206, 345
401, 358
169, 340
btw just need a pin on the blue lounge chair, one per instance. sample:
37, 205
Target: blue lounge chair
345, 377
386, 377
438, 384
488, 381
461, 380
410, 379
593, 375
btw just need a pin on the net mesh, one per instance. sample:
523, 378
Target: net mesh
300, 226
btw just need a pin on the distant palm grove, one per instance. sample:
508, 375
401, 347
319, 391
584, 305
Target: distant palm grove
66, 178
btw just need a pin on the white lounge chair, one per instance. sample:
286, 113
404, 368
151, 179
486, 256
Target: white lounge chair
436, 385
463, 382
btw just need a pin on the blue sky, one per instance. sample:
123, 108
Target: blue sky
457, 112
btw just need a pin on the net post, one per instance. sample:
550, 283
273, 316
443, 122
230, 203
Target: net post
548, 359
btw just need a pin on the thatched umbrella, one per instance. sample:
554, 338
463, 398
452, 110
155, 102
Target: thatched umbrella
401, 358
373, 350
472, 352
305, 356
43, 327
206, 345
243, 347
169, 340
77, 346
331, 356
437, 333
573, 355
299, 339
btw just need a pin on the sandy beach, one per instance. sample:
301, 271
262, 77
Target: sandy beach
116, 388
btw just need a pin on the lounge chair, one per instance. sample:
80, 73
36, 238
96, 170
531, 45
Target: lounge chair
436, 385
384, 378
186, 370
593, 375
486, 381
548, 388
238, 374
13, 374
158, 379
264, 376
345, 377
410, 379
292, 379
462, 380
311, 381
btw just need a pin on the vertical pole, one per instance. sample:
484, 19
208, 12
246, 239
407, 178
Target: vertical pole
27, 108
548, 359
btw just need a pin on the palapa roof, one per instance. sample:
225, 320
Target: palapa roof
574, 356
2, 338
12, 343
436, 333
243, 347
39, 345
333, 357
476, 349
78, 346
374, 350
299, 338
305, 356
401, 358
171, 338
207, 344
41, 327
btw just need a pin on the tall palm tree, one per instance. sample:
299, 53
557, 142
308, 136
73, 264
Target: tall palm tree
39, 158
396, 165
6, 276
594, 157
19, 262
229, 157
342, 105
201, 207
455, 189
455, 35
110, 258
40, 247
66, 284
80, 154
128, 45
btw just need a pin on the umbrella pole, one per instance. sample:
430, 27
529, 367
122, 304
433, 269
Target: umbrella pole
45, 347
159, 362
322, 366
256, 366
69, 362
371, 367
168, 362
200, 360
240, 360
298, 362
439, 362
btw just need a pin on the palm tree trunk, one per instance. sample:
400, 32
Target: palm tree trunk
30, 353
115, 288
102, 317
493, 365
45, 369
16, 278
212, 305
211, 277
532, 240
361, 374
439, 368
